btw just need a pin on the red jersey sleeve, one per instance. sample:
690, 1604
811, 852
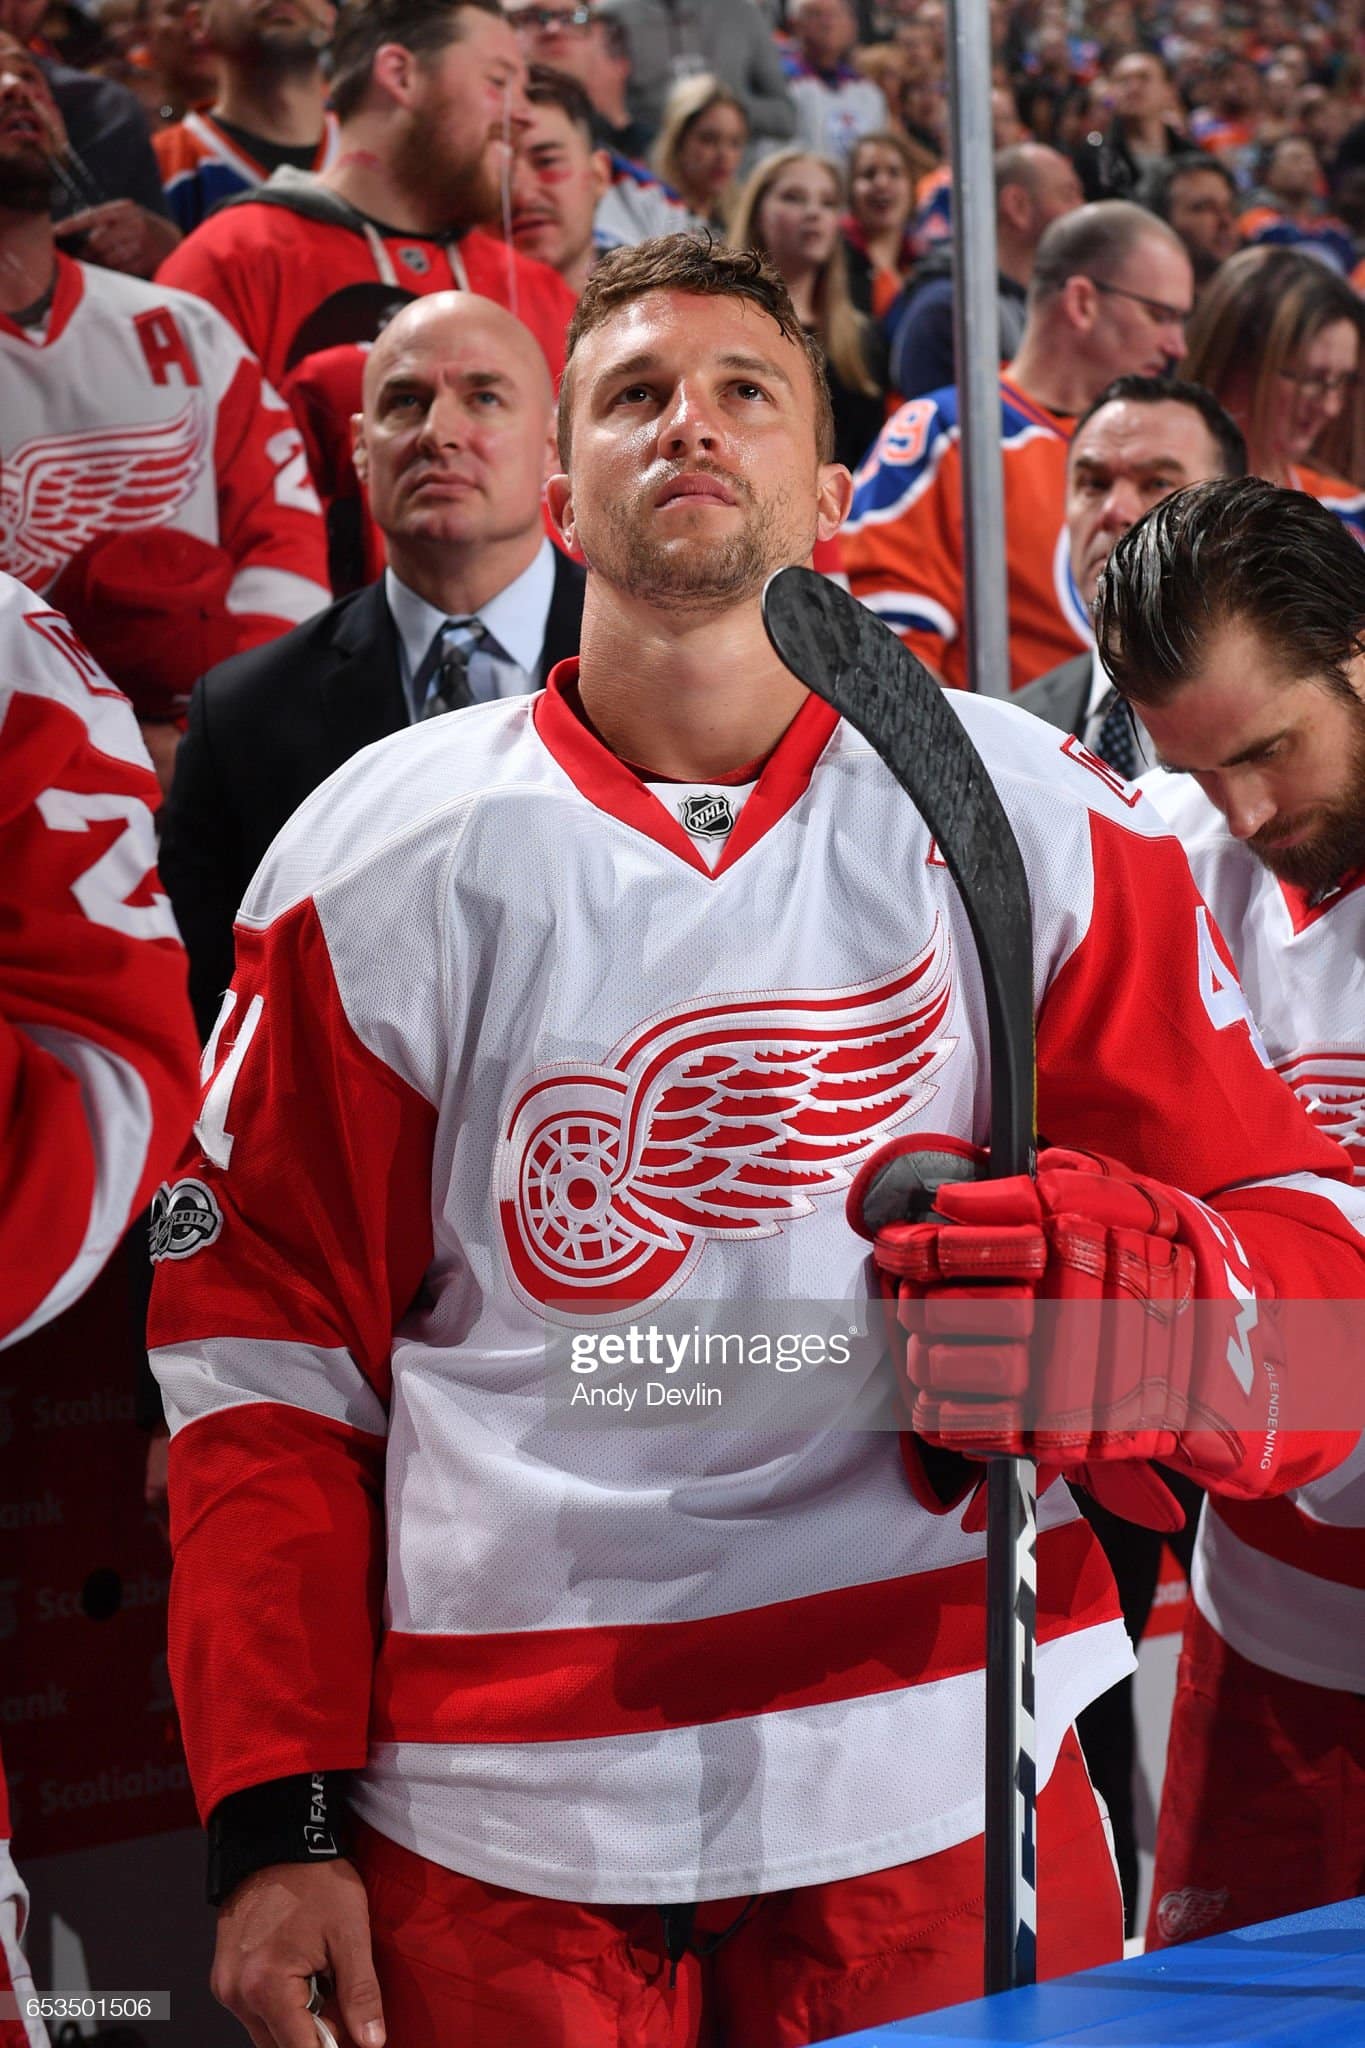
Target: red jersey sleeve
270, 519
286, 1254
97, 1045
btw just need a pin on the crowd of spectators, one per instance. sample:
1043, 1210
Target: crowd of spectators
211, 211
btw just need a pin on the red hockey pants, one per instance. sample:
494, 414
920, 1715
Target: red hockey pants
1263, 1810
474, 1964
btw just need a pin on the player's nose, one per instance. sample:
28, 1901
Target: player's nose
687, 421
1248, 808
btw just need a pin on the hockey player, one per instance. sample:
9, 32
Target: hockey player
97, 1046
1110, 292
128, 405
549, 1015
1233, 619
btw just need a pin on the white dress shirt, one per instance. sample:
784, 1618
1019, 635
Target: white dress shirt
515, 618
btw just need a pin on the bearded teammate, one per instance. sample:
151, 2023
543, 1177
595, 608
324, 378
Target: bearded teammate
97, 1045
547, 1015
1260, 694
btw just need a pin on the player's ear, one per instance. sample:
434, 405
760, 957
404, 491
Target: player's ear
1081, 302
559, 500
360, 454
833, 496
395, 71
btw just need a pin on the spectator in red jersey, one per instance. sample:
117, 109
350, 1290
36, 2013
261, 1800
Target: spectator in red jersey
701, 146
429, 99
1277, 340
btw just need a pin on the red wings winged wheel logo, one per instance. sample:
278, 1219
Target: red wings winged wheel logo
723, 1118
1331, 1087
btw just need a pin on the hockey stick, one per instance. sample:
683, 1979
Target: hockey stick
844, 654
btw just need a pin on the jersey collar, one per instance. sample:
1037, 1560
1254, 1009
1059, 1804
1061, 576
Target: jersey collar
607, 782
1305, 909
67, 293
1060, 424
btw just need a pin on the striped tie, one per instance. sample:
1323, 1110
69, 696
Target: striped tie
447, 667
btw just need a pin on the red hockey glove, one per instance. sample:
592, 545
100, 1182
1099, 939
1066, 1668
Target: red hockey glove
1088, 1318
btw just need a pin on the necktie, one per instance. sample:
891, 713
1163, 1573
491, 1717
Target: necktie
1114, 742
446, 668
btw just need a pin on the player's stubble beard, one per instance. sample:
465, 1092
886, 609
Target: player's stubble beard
628, 554
26, 179
1338, 842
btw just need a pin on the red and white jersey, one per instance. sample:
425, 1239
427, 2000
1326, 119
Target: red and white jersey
137, 406
902, 543
506, 1054
97, 1045
1283, 1581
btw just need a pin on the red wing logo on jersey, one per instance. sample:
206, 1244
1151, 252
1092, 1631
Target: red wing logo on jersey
1331, 1087
721, 1119
58, 492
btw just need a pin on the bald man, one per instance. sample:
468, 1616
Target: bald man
452, 442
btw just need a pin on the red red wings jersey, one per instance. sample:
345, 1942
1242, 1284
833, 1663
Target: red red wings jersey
139, 407
506, 1054
1283, 1581
285, 267
902, 544
98, 1053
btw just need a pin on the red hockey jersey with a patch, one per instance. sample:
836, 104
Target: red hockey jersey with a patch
513, 1073
137, 406
903, 541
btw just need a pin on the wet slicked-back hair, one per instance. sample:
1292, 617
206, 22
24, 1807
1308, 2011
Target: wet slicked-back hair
706, 270
1234, 552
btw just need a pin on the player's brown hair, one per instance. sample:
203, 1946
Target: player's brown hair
1237, 551
424, 27
707, 270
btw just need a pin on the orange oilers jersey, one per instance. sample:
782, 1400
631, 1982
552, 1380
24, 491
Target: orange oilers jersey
903, 540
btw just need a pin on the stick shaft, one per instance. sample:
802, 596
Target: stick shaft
1011, 1769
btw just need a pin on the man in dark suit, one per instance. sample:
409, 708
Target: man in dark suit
453, 444
1143, 438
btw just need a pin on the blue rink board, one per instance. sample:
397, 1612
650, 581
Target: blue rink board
1300, 1980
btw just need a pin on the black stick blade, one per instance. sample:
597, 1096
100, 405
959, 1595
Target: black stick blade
844, 653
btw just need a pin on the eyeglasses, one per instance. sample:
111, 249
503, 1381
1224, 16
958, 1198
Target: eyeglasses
1322, 383
577, 19
1162, 314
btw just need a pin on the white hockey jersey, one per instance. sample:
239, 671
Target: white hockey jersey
139, 406
1283, 1581
506, 1054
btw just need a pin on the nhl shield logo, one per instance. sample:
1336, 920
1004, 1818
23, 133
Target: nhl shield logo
707, 817
415, 260
184, 1219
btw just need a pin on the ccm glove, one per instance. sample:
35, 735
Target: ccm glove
1090, 1318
